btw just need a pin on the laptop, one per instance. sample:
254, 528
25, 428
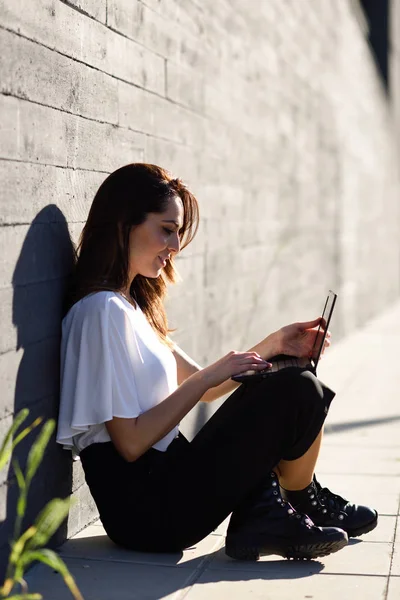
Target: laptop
283, 361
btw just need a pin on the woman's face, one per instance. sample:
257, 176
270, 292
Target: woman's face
155, 241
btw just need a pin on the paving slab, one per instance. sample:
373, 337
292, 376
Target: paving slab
358, 558
360, 460
237, 585
396, 553
363, 459
394, 589
384, 532
109, 580
94, 543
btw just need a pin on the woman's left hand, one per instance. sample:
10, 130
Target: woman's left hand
298, 339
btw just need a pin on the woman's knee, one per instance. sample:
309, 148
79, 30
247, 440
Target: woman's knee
302, 385
315, 394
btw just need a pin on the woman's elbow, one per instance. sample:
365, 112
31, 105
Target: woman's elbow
130, 452
129, 455
124, 437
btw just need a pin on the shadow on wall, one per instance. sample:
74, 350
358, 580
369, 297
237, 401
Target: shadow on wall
378, 18
39, 284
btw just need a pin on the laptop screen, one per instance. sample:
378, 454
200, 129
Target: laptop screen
323, 326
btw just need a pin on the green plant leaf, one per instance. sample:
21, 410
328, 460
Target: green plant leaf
48, 521
19, 475
21, 502
25, 549
35, 455
6, 449
7, 587
52, 560
26, 597
18, 546
25, 431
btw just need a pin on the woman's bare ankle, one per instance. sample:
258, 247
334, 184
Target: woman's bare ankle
294, 484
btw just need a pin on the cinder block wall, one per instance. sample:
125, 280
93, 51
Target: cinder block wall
274, 114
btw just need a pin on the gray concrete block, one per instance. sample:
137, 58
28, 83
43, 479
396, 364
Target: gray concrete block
68, 141
114, 146
184, 86
144, 25
177, 158
95, 8
126, 17
33, 72
62, 27
33, 133
29, 314
44, 193
35, 254
83, 510
30, 374
145, 112
161, 31
78, 475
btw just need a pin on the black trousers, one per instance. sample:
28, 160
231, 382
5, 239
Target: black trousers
168, 501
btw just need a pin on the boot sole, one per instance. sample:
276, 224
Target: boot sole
295, 551
361, 530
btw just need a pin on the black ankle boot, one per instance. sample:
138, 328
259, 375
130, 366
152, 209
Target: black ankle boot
330, 510
266, 524
358, 519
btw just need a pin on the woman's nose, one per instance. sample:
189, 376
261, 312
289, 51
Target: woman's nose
175, 243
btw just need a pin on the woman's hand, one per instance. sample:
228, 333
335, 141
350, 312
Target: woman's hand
232, 364
298, 339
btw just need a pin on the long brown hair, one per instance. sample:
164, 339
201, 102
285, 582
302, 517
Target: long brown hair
123, 200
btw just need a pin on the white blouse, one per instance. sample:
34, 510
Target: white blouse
112, 365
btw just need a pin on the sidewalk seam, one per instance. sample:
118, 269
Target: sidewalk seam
386, 591
199, 570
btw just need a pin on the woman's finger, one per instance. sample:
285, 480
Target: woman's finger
255, 367
247, 358
309, 324
253, 360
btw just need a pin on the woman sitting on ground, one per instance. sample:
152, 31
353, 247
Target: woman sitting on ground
126, 386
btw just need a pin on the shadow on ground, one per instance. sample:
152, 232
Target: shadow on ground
346, 426
155, 576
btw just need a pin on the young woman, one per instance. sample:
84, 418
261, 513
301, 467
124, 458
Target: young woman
125, 386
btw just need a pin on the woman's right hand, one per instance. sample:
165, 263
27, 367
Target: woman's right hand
231, 364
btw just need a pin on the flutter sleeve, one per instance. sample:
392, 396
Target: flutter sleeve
99, 356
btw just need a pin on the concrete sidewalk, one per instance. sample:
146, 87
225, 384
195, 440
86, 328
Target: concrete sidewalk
360, 459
